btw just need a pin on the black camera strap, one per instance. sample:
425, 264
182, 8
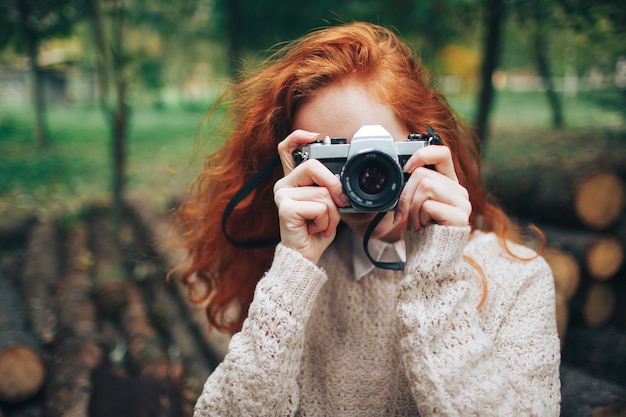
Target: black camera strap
394, 266
243, 192
253, 183
266, 171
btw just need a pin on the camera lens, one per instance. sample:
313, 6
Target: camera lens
372, 181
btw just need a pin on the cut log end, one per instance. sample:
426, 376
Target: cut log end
599, 304
22, 373
562, 317
600, 200
617, 409
111, 297
565, 269
605, 258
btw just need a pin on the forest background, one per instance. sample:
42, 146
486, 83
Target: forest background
103, 97
102, 106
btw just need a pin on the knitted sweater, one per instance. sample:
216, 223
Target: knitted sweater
317, 342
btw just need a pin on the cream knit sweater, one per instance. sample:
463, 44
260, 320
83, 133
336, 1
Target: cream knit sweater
319, 343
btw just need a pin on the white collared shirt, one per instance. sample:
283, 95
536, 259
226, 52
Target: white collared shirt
379, 250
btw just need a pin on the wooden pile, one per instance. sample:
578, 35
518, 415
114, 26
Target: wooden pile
90, 326
580, 209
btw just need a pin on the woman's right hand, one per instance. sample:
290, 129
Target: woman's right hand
307, 197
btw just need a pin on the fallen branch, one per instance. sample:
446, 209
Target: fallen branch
37, 281
76, 353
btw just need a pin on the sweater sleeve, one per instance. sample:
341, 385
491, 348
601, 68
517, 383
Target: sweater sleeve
456, 366
258, 374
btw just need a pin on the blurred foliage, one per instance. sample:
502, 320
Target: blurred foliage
178, 55
261, 24
172, 47
76, 170
25, 21
165, 150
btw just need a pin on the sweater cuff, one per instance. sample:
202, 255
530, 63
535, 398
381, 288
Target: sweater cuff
294, 279
435, 248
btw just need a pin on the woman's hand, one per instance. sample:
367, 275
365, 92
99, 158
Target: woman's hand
432, 195
307, 198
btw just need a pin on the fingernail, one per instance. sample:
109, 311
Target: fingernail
344, 200
397, 218
408, 167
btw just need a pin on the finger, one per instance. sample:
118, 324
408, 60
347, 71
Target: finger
433, 211
303, 194
316, 217
295, 140
313, 172
425, 184
428, 184
439, 157
293, 203
326, 223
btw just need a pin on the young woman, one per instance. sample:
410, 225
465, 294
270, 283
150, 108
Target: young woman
466, 328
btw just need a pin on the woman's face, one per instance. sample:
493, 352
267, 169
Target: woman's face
339, 110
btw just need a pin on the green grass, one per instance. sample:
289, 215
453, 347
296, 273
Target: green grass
75, 169
521, 132
530, 110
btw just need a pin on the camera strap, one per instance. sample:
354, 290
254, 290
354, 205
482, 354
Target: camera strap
394, 266
254, 182
243, 192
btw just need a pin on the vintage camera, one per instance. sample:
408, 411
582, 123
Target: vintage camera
370, 166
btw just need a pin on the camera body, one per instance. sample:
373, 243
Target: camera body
370, 166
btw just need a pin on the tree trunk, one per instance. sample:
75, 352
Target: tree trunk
112, 84
543, 67
234, 39
92, 11
119, 154
40, 135
120, 114
582, 195
32, 37
494, 16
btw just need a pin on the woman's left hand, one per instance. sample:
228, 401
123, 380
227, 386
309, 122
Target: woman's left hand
432, 195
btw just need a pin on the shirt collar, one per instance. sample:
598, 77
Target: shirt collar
379, 250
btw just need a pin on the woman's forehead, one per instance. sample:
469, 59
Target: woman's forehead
339, 110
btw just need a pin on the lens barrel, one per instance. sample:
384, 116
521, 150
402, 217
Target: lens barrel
372, 180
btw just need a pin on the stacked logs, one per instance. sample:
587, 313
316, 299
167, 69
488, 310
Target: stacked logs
580, 209
90, 326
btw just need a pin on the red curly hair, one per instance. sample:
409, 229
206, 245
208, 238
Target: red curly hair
223, 277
